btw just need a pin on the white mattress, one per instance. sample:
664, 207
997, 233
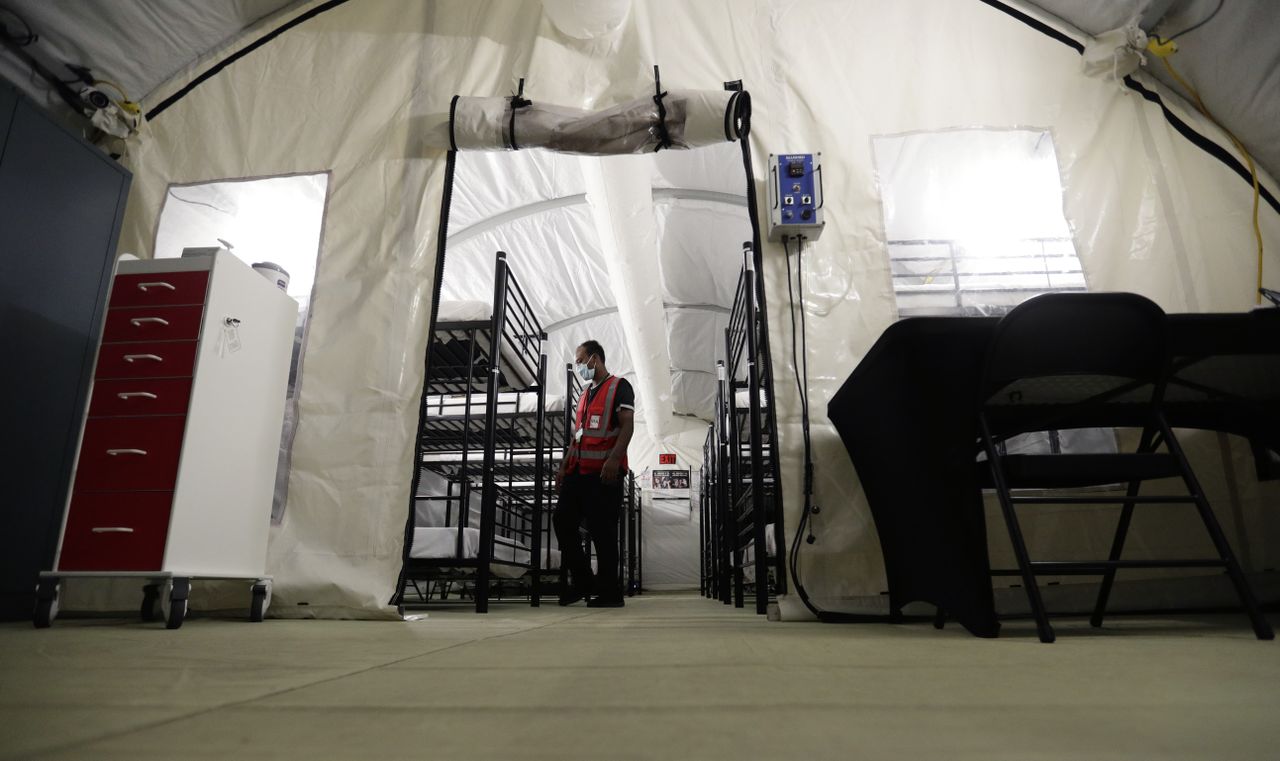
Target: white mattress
463, 311
508, 403
437, 543
770, 546
477, 455
513, 367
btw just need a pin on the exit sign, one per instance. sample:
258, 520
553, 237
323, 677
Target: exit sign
666, 459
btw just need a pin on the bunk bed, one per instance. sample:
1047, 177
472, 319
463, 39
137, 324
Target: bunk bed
709, 581
718, 532
630, 525
482, 431
751, 517
630, 532
521, 475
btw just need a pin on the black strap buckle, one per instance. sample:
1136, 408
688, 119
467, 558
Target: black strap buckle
518, 101
664, 137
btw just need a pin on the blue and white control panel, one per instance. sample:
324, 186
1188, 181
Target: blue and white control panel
795, 195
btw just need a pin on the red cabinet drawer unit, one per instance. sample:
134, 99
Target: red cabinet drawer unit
140, 396
158, 289
116, 531
154, 359
126, 453
175, 473
153, 324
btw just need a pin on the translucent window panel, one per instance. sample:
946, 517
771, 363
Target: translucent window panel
974, 220
975, 227
274, 219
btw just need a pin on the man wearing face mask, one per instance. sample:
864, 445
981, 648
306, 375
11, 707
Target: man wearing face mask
590, 481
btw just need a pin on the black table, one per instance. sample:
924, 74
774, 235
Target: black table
908, 416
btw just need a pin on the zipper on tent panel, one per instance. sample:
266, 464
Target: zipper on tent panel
442, 234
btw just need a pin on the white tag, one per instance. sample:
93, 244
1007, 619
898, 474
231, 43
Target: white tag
231, 335
577, 435
594, 422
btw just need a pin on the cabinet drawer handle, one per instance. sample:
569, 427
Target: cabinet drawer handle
112, 530
114, 452
139, 321
159, 284
135, 357
131, 394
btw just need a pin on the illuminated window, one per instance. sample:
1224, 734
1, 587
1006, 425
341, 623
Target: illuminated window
974, 220
275, 219
272, 219
975, 226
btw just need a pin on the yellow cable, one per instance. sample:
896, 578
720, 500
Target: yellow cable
1163, 55
124, 102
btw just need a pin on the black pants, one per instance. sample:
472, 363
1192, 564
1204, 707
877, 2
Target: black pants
586, 497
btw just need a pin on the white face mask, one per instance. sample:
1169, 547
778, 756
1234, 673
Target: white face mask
584, 371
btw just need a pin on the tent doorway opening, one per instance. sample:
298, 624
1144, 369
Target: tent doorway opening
642, 253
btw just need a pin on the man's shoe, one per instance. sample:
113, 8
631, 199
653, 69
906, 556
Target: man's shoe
606, 602
572, 596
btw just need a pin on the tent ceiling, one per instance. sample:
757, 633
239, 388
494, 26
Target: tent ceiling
138, 45
1234, 60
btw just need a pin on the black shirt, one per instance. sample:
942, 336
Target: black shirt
625, 396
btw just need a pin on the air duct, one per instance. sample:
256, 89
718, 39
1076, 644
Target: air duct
621, 200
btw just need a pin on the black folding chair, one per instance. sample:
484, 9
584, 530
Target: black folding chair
1077, 360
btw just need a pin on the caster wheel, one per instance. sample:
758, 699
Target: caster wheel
46, 612
261, 601
177, 612
151, 607
173, 602
46, 604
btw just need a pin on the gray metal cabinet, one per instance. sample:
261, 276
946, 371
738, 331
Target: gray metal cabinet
61, 204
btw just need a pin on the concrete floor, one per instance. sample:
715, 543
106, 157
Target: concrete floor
667, 677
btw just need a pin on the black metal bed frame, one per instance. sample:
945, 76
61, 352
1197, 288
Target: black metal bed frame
562, 431
466, 359
745, 485
630, 544
710, 578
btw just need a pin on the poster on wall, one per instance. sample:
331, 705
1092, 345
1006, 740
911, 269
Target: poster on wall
671, 479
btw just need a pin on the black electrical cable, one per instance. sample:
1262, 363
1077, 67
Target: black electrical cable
1193, 27
802, 386
799, 348
21, 42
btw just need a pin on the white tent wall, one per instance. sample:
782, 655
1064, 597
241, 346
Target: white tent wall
340, 92
350, 91
1144, 205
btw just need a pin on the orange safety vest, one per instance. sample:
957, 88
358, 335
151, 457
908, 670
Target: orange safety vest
594, 421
